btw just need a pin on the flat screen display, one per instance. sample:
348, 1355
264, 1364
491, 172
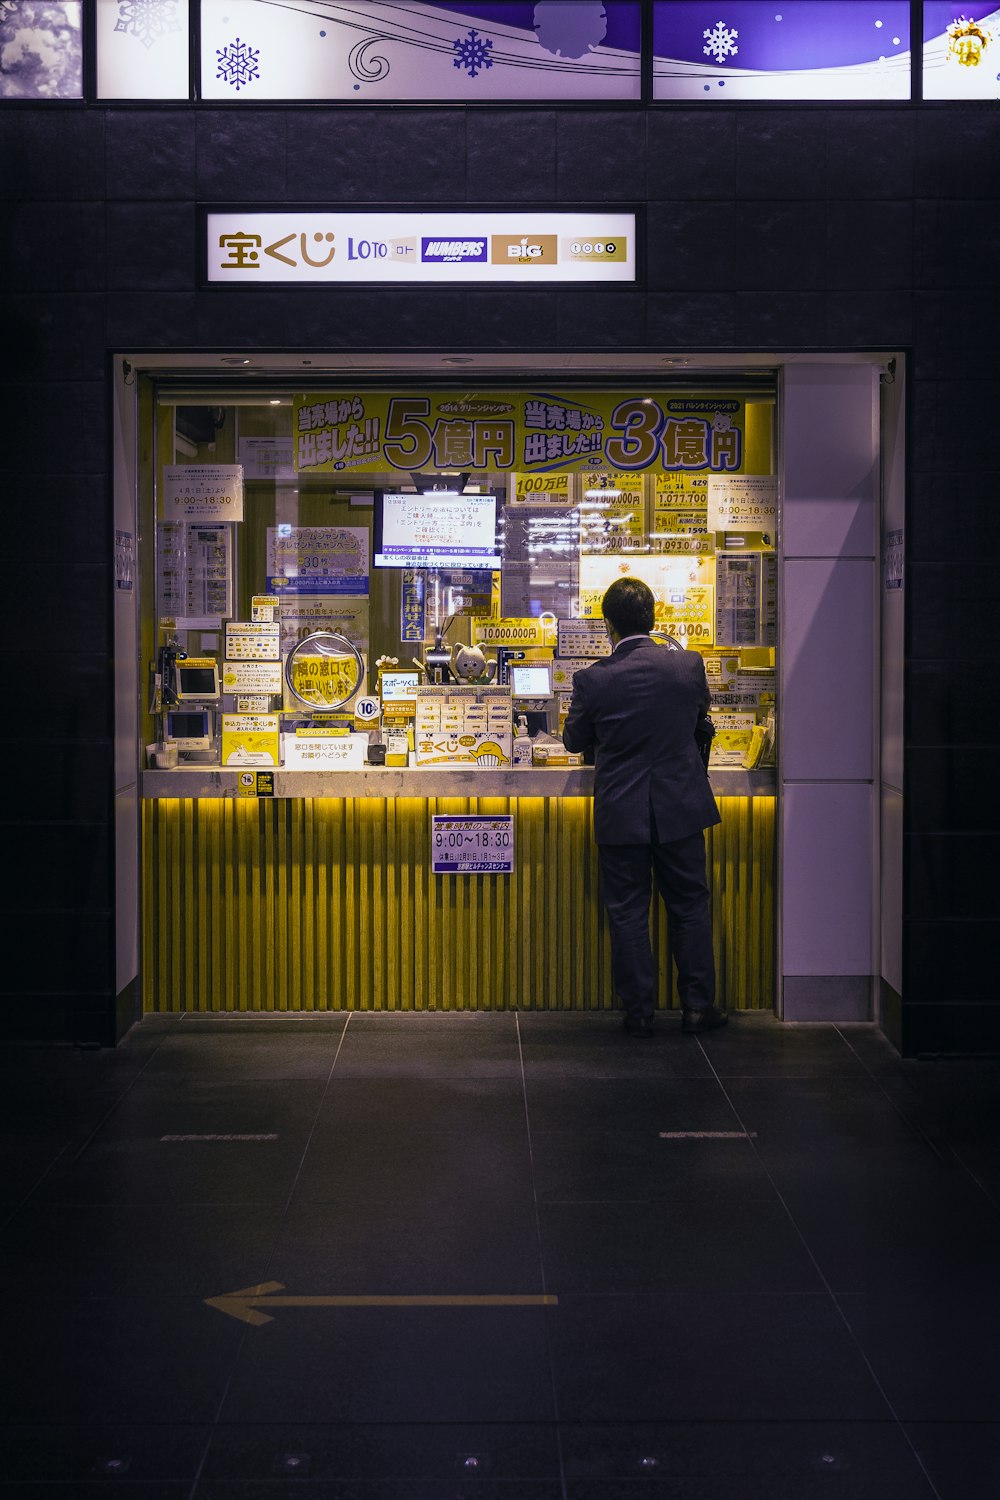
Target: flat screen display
197, 681
436, 530
189, 728
531, 680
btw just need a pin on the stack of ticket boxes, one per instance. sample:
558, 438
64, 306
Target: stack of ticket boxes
459, 725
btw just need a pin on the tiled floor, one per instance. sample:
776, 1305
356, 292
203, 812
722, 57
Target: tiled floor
498, 1256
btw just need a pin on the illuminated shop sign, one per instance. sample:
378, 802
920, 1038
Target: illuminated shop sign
247, 248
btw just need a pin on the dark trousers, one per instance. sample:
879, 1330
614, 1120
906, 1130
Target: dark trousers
626, 888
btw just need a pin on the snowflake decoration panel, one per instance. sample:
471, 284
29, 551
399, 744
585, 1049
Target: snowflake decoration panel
961, 51
781, 49
468, 53
41, 50
143, 50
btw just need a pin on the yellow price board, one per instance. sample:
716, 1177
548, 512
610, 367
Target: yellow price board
555, 490
612, 512
689, 614
529, 631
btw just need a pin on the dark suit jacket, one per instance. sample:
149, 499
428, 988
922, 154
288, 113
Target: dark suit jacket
636, 711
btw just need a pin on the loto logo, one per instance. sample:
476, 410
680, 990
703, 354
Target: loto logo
528, 250
452, 251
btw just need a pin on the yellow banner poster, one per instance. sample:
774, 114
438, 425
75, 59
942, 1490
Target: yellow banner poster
528, 432
672, 580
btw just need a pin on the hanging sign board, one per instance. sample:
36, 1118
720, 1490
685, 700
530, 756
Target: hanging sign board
742, 502
309, 247
472, 845
201, 492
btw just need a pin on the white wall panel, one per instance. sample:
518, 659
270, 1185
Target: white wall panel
827, 670
830, 460
827, 883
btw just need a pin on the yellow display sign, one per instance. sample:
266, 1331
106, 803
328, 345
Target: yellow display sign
689, 614
554, 490
530, 631
250, 740
527, 432
325, 681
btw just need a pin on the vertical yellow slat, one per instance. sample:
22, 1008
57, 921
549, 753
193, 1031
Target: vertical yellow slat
329, 903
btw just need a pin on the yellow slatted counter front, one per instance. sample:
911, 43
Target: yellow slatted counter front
329, 903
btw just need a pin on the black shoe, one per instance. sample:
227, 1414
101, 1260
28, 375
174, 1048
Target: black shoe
709, 1019
639, 1026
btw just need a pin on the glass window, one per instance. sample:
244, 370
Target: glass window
41, 51
143, 50
318, 549
961, 52
781, 49
449, 53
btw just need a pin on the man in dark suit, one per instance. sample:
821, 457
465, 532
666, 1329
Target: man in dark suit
635, 712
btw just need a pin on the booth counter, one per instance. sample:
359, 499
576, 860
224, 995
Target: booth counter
322, 896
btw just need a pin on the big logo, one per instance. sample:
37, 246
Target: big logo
525, 250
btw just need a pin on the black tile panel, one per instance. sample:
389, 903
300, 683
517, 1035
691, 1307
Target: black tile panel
859, 319
946, 134
241, 154
601, 156
98, 1454
75, 507
951, 962
870, 153
691, 320
53, 247
951, 875
330, 158
940, 410
152, 320
939, 594
941, 531
691, 246
780, 247
27, 414
56, 335
51, 155
946, 792
80, 618
150, 154
416, 155
956, 241
956, 348
780, 153
600, 320
869, 244
781, 320
511, 156
945, 703
152, 246
943, 1024
59, 866
690, 153
55, 952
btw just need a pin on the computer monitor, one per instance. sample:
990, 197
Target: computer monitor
437, 529
190, 728
197, 679
531, 679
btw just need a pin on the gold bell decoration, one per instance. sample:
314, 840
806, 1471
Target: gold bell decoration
967, 42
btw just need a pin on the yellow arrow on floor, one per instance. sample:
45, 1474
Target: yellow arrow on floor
244, 1305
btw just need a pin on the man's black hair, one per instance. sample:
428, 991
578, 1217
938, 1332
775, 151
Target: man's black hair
628, 606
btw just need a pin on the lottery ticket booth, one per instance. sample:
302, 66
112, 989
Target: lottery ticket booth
350, 600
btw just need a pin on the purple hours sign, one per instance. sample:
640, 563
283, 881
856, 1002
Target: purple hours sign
781, 49
468, 53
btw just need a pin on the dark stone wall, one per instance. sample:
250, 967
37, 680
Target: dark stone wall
787, 228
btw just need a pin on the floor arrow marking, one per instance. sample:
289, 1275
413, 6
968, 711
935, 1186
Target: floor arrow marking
246, 1305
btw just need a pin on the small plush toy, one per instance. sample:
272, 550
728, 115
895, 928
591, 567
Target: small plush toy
468, 664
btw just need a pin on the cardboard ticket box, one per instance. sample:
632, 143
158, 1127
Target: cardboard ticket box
251, 740
733, 732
